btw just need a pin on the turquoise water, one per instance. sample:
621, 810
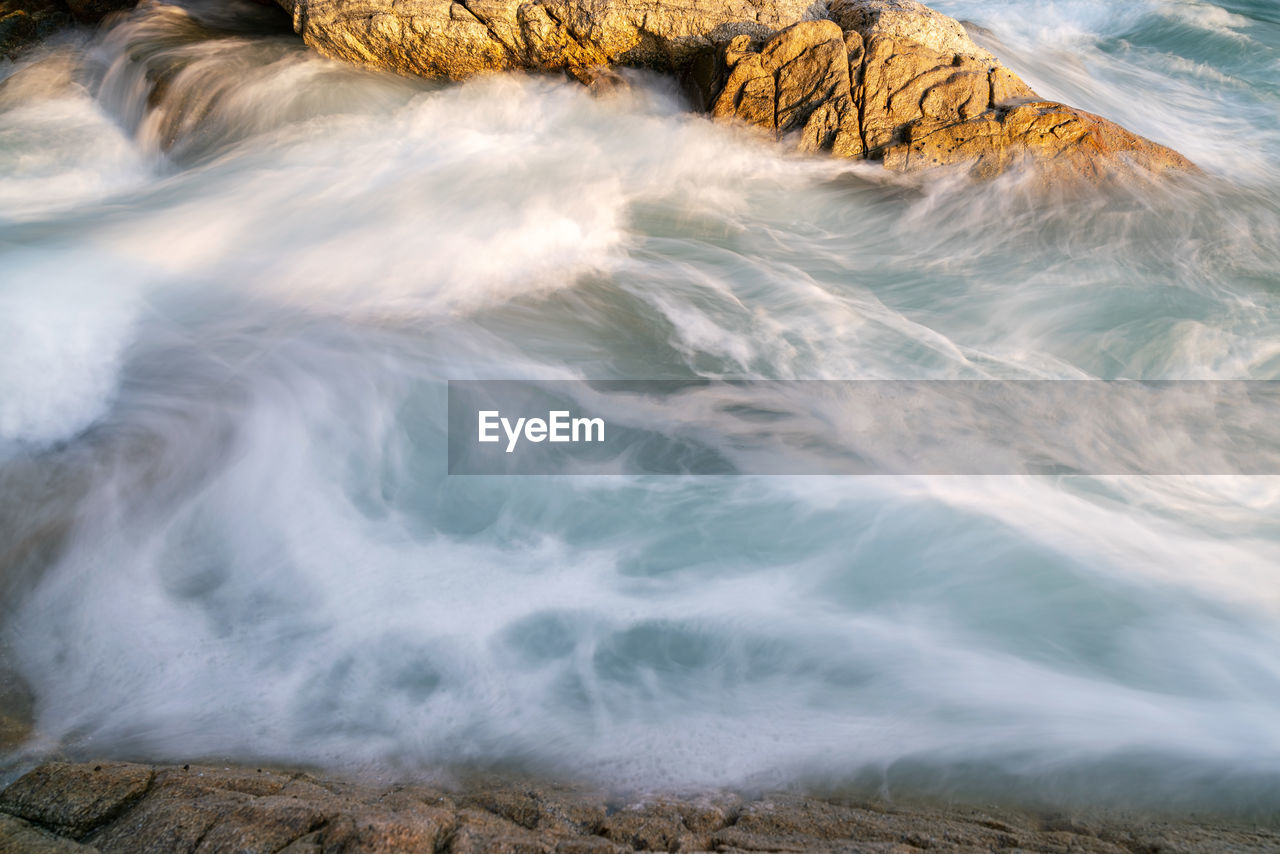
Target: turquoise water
225, 524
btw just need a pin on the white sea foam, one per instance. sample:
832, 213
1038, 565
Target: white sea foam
64, 343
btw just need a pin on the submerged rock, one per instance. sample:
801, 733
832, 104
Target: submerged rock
886, 80
135, 809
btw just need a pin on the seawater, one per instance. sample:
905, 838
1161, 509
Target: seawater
235, 276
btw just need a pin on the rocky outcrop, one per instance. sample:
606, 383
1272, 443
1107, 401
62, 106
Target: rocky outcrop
917, 94
23, 22
135, 809
886, 80
799, 81
441, 38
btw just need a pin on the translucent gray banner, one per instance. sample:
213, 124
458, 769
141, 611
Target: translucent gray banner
864, 427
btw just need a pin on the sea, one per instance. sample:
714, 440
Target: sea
236, 278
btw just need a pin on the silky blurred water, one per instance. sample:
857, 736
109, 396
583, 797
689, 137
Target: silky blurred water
235, 276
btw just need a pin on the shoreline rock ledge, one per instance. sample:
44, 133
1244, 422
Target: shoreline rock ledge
125, 808
884, 80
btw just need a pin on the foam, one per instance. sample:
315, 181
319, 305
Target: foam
253, 316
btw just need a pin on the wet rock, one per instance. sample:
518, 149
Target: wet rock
479, 832
25, 22
72, 800
209, 809
211, 822
22, 837
568, 812
63, 808
666, 825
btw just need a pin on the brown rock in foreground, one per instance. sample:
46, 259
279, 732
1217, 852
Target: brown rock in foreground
64, 808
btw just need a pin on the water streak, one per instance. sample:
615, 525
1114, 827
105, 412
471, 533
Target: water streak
237, 275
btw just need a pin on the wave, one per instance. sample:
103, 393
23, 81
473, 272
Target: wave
238, 275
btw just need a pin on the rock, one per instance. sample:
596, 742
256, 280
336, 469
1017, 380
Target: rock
24, 22
566, 812
74, 799
21, 837
183, 819
93, 11
480, 832
907, 20
905, 84
1061, 141
205, 810
797, 82
209, 810
666, 825
886, 80
917, 94
440, 38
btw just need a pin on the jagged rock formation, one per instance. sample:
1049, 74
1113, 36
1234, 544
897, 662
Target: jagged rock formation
917, 94
137, 809
886, 80
796, 82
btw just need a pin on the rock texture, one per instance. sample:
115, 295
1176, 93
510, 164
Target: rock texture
895, 81
885, 80
442, 38
23, 22
799, 81
134, 809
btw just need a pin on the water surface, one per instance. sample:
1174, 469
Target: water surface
235, 276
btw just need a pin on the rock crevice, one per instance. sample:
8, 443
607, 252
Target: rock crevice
921, 95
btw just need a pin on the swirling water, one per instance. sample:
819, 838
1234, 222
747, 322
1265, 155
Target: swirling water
234, 277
